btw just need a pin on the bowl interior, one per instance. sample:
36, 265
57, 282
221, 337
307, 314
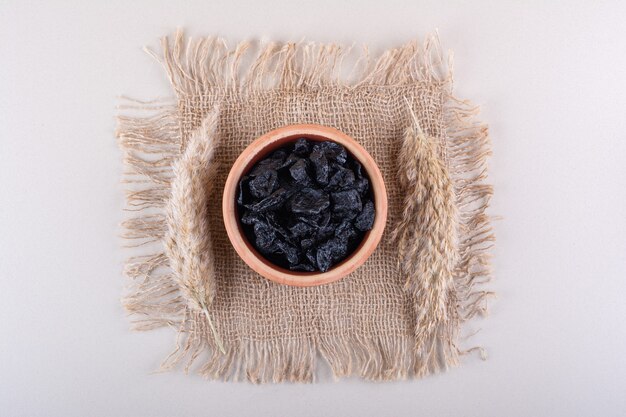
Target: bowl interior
261, 148
258, 157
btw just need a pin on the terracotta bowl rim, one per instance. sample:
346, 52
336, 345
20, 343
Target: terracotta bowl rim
266, 144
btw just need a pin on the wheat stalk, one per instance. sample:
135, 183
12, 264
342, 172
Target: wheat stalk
187, 240
426, 233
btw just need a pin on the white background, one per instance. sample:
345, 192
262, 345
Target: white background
551, 82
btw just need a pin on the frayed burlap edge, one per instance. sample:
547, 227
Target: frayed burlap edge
152, 143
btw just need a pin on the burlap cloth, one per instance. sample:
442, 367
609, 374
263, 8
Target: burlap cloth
378, 322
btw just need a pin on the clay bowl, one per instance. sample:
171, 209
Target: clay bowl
260, 148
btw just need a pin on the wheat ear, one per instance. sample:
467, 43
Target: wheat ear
188, 242
426, 237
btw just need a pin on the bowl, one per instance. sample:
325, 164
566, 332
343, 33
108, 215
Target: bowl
258, 150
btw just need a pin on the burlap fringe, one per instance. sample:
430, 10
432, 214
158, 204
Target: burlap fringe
292, 360
468, 147
153, 142
150, 141
194, 65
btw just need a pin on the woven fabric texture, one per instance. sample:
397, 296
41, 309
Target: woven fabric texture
378, 322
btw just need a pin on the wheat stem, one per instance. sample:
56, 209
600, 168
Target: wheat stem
216, 335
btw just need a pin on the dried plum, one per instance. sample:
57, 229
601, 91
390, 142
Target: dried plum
250, 218
264, 184
362, 185
338, 249
301, 147
342, 178
332, 151
324, 219
330, 253
324, 258
291, 159
266, 164
290, 252
301, 229
271, 202
365, 220
299, 172
339, 216
344, 201
309, 201
345, 231
306, 206
320, 164
324, 233
265, 236
311, 255
274, 222
312, 220
243, 192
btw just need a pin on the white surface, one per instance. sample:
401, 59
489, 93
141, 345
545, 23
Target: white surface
551, 82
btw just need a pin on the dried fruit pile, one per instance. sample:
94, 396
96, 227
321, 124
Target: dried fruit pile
307, 206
